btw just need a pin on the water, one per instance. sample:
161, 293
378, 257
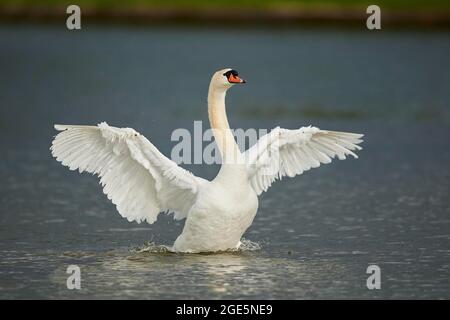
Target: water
317, 233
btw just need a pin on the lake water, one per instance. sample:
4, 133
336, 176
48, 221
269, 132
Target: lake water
317, 233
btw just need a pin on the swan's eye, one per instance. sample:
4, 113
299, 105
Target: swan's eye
233, 77
230, 72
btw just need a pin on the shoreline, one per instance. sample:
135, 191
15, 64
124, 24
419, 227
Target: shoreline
230, 17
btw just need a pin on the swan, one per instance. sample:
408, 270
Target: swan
142, 182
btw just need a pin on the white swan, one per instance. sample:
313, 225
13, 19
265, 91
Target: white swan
142, 182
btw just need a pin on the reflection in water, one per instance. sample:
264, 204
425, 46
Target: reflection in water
196, 276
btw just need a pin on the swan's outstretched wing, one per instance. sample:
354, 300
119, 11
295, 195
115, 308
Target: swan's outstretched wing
284, 152
136, 177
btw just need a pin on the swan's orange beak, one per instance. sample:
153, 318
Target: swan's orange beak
235, 79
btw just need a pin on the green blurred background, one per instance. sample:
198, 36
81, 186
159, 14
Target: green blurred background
433, 12
267, 4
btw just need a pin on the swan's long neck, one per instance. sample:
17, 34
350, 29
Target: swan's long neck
228, 148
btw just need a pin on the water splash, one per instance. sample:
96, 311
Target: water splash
248, 245
152, 247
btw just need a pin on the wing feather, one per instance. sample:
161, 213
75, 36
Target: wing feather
285, 152
135, 176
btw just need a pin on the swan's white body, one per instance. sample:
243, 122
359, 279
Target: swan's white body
142, 182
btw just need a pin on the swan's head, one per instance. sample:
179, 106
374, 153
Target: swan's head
226, 78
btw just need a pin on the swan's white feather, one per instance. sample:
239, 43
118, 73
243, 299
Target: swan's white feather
284, 152
135, 176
